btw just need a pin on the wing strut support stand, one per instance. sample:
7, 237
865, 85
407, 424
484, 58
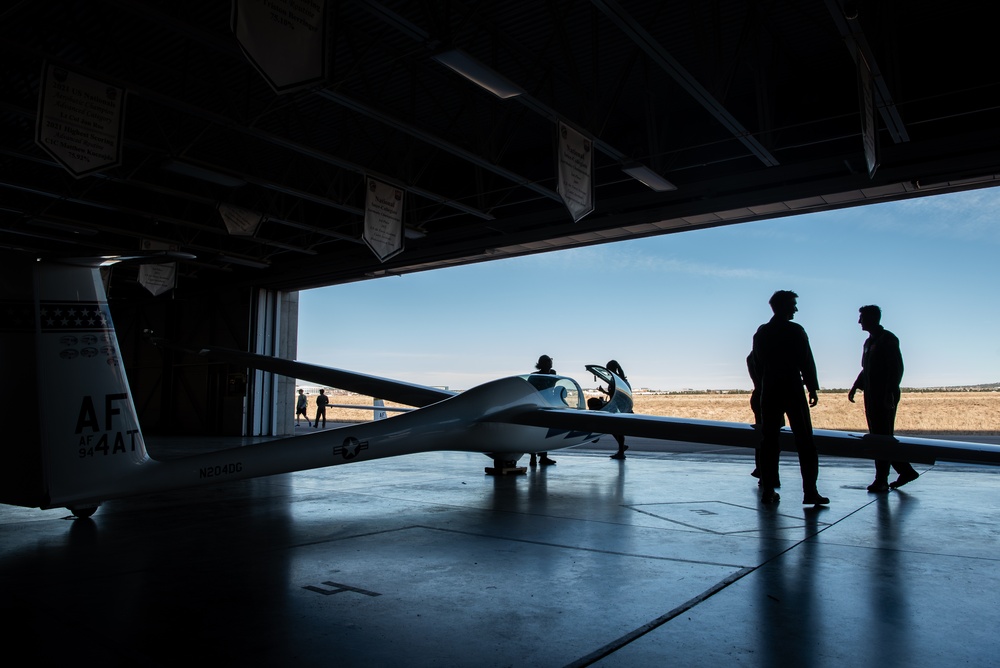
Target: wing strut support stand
505, 464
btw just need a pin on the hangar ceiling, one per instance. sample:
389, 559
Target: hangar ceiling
749, 109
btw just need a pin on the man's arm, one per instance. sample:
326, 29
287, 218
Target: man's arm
858, 384
896, 360
807, 365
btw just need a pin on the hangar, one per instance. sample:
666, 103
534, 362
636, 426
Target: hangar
731, 111
695, 114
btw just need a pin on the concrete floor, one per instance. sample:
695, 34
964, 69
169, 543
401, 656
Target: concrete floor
663, 559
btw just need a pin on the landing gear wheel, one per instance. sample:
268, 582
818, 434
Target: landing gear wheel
83, 512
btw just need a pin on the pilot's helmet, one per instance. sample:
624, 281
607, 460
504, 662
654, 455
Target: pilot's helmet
544, 362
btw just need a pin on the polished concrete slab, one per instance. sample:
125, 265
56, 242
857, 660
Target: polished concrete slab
665, 558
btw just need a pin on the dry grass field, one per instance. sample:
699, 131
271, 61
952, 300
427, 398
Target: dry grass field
919, 412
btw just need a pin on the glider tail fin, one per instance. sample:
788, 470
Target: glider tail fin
85, 443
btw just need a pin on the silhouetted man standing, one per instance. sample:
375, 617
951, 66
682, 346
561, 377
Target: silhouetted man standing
784, 361
543, 366
881, 374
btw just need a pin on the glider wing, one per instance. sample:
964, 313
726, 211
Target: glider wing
737, 434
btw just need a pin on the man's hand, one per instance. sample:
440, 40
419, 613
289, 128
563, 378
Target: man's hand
813, 398
850, 395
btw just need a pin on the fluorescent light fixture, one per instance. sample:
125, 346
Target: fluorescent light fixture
203, 173
648, 177
146, 257
244, 261
477, 73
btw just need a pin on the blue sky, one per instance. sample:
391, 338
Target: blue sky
678, 311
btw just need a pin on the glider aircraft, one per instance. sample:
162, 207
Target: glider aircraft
86, 446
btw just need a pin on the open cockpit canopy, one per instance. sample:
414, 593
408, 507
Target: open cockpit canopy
619, 392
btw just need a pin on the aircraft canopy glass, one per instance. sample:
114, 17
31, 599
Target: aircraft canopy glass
619, 391
558, 391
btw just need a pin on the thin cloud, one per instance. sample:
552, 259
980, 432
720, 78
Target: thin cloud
610, 258
967, 216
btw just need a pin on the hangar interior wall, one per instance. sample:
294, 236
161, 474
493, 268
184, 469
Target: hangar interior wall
179, 393
176, 392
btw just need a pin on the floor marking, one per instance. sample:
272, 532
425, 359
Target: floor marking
617, 644
579, 548
339, 589
744, 519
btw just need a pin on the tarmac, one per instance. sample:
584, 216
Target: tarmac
665, 558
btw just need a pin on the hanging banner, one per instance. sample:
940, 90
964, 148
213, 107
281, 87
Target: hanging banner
158, 278
80, 121
868, 129
284, 39
240, 222
383, 219
576, 164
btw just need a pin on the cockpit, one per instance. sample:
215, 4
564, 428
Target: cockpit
619, 393
557, 391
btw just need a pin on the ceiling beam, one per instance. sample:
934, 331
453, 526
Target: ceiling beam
856, 43
537, 106
436, 142
235, 126
659, 55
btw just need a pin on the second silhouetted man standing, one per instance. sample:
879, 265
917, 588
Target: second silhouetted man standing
784, 361
881, 374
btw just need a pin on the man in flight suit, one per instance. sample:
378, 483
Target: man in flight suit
783, 359
881, 374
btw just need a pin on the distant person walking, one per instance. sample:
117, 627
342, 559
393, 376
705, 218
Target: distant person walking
543, 366
301, 404
614, 367
879, 380
784, 360
321, 402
